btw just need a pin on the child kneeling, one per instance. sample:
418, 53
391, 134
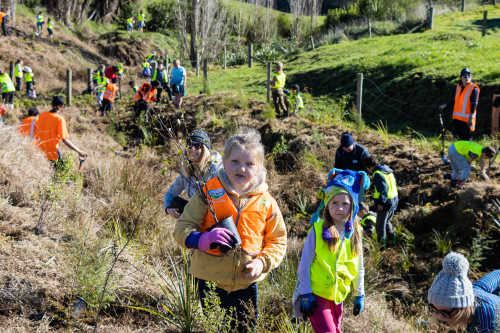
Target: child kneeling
332, 257
239, 191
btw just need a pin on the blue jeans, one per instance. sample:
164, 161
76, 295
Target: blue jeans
39, 26
100, 96
234, 299
459, 164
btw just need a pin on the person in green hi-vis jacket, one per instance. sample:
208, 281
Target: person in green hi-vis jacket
461, 155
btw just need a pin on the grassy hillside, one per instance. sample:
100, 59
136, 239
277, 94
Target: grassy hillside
62, 233
414, 72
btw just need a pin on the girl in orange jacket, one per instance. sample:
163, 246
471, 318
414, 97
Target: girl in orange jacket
234, 260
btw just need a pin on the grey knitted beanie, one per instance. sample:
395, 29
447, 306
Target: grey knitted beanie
452, 288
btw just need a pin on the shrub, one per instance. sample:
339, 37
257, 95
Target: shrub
161, 17
284, 26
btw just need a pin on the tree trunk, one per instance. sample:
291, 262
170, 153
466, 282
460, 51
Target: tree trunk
194, 31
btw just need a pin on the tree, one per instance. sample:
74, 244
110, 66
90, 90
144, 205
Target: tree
9, 6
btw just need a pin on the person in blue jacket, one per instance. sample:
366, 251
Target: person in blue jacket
462, 304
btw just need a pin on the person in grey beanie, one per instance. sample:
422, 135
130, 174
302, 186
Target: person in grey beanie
199, 166
463, 304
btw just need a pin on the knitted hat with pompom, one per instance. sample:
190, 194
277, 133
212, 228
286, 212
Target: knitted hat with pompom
452, 288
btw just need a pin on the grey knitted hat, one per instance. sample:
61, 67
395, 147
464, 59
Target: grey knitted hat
201, 137
452, 288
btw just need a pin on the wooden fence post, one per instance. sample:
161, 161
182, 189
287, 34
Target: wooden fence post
370, 27
494, 120
485, 22
250, 55
205, 68
269, 70
68, 87
431, 18
311, 39
89, 80
225, 59
359, 96
11, 71
197, 64
463, 6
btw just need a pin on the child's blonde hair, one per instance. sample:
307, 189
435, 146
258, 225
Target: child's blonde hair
248, 140
356, 236
196, 169
279, 66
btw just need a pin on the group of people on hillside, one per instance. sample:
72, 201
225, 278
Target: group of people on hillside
281, 104
230, 207
9, 88
39, 25
464, 152
46, 129
141, 22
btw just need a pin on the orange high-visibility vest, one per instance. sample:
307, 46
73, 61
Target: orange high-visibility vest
462, 108
250, 220
27, 127
146, 92
110, 92
2, 15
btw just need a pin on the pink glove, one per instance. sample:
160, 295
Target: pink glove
216, 238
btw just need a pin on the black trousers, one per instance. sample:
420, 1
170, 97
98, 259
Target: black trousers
461, 130
4, 27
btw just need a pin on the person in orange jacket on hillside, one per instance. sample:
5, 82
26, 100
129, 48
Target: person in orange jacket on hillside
236, 260
464, 106
109, 96
3, 21
28, 126
143, 96
51, 128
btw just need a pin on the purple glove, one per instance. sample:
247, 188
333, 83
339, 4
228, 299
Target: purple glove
216, 238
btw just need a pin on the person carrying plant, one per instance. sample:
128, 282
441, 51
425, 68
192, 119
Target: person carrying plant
463, 305
18, 73
277, 83
464, 106
39, 23
461, 155
368, 220
141, 21
52, 129
238, 199
198, 166
332, 257
143, 97
385, 197
8, 90
109, 96
3, 22
161, 75
296, 101
178, 82
50, 28
28, 127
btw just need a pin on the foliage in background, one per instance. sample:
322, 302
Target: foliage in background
160, 17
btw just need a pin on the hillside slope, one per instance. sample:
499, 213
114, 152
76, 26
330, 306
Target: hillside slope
86, 220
